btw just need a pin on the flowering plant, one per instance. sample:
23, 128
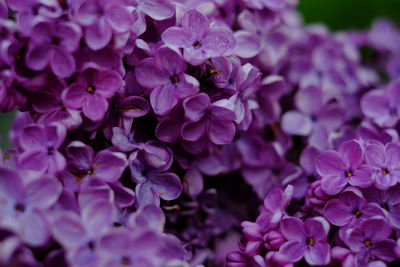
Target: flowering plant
150, 131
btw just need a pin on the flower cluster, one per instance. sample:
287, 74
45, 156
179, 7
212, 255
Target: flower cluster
149, 129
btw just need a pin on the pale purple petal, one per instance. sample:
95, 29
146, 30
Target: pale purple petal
221, 132
293, 229
119, 18
196, 106
318, 254
98, 35
148, 75
337, 212
176, 37
333, 184
195, 24
352, 153
39, 57
248, 44
95, 107
330, 163
296, 123
109, 166
167, 185
34, 228
68, 229
157, 9
163, 99
62, 63
97, 216
43, 192
293, 250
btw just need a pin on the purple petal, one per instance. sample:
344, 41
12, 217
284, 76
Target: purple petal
74, 96
317, 254
157, 9
385, 250
148, 75
170, 61
150, 216
32, 138
375, 155
43, 193
193, 131
352, 153
332, 185
330, 163
293, 229
221, 132
10, 185
115, 242
157, 155
317, 228
248, 44
167, 185
97, 215
163, 99
293, 250
98, 35
109, 166
362, 177
193, 182
309, 100
68, 229
146, 195
195, 24
337, 212
34, 160
34, 228
107, 83
62, 63
80, 154
39, 57
376, 229
95, 107
218, 41
393, 155
196, 106
176, 37
296, 123
119, 18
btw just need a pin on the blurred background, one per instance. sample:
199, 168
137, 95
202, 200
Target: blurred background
336, 14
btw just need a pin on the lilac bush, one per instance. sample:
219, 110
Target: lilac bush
174, 133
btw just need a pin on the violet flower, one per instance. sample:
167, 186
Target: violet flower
384, 161
306, 239
198, 39
53, 44
24, 205
371, 240
102, 18
165, 74
337, 169
91, 91
41, 144
206, 118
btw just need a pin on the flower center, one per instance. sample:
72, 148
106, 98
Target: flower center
385, 171
19, 207
310, 241
90, 89
348, 173
174, 79
358, 213
125, 261
367, 243
90, 172
56, 40
196, 45
50, 151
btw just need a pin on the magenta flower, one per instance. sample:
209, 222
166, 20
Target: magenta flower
53, 44
384, 161
337, 169
198, 39
350, 209
23, 205
306, 239
371, 240
213, 120
102, 18
153, 183
84, 167
165, 74
41, 144
91, 91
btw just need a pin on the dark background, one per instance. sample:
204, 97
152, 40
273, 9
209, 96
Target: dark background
337, 14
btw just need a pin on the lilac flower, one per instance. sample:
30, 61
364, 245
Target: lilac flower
153, 184
384, 162
84, 167
350, 209
371, 240
389, 202
342, 167
381, 105
156, 9
23, 205
91, 91
41, 144
306, 239
53, 110
213, 120
102, 18
53, 44
165, 74
198, 39
80, 234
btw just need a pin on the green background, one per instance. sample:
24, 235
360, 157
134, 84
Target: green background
337, 14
